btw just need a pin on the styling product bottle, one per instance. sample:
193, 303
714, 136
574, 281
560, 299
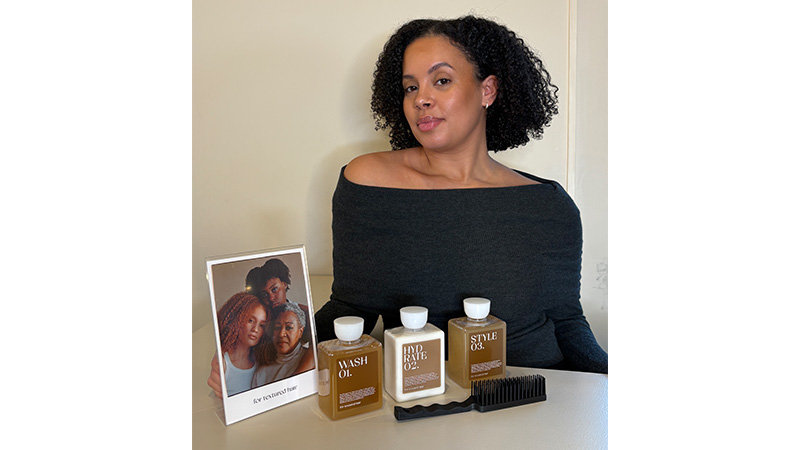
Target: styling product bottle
476, 344
414, 365
350, 371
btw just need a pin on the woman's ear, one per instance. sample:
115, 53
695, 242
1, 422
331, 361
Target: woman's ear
489, 88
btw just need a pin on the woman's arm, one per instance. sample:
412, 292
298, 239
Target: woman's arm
575, 338
579, 346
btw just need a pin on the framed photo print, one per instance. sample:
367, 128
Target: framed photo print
264, 326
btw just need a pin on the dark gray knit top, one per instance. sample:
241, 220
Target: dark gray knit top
518, 246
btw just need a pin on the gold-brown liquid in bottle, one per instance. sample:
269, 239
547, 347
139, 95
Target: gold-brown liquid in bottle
350, 371
476, 345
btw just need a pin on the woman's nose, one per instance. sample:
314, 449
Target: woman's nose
424, 100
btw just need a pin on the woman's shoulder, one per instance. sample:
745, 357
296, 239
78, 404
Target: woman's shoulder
362, 169
376, 169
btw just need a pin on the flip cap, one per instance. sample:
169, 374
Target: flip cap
477, 307
348, 328
414, 317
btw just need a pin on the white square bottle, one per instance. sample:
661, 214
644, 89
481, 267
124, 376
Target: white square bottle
414, 357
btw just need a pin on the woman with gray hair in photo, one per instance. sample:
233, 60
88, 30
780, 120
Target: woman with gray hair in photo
280, 357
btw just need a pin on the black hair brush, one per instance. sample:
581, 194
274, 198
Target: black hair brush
486, 395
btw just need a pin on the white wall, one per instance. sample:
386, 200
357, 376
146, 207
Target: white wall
281, 101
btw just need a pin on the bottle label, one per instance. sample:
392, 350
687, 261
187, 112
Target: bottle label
485, 354
357, 380
422, 363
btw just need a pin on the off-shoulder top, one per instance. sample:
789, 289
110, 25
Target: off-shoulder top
518, 246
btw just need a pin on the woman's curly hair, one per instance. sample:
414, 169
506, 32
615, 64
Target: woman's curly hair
526, 100
233, 315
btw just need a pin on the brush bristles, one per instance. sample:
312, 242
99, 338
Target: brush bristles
487, 395
506, 392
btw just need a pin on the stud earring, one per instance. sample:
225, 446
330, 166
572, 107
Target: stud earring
486, 107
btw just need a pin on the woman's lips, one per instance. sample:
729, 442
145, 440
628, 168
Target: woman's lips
428, 123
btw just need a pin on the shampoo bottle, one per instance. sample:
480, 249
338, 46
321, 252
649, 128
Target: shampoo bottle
414, 364
476, 344
350, 371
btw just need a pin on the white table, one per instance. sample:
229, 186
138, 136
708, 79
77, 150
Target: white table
574, 416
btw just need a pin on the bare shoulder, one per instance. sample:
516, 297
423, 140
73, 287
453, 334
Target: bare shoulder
504, 176
514, 178
374, 169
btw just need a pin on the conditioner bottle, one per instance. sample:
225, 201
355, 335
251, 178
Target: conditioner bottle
414, 366
476, 344
350, 371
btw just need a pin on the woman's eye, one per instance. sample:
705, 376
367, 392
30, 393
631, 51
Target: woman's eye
410, 89
442, 81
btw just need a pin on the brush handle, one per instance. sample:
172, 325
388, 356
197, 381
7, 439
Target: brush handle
419, 411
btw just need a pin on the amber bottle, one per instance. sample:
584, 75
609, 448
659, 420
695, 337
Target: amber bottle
476, 344
350, 371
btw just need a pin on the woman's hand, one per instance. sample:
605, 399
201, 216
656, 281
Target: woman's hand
215, 380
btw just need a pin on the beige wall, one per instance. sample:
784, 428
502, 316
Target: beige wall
281, 102
588, 162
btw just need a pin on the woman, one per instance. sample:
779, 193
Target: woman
283, 356
437, 219
270, 283
242, 321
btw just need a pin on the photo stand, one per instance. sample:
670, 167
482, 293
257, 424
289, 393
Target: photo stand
267, 357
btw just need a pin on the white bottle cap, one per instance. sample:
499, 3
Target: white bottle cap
348, 328
476, 307
414, 317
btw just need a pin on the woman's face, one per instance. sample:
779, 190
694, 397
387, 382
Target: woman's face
286, 332
274, 292
443, 100
254, 327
